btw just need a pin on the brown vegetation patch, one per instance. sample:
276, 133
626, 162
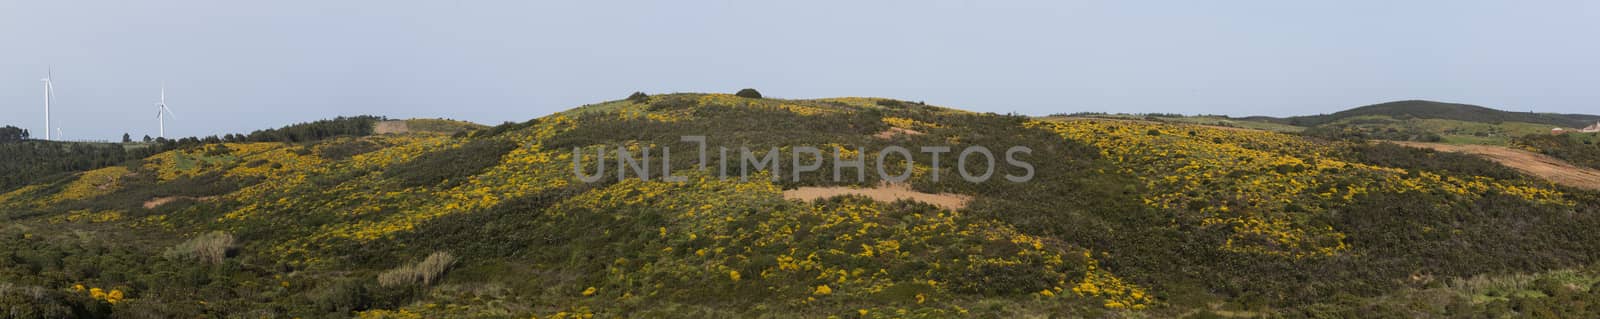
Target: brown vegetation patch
895, 131
883, 193
158, 201
1540, 165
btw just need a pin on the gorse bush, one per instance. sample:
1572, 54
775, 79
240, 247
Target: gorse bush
422, 273
209, 248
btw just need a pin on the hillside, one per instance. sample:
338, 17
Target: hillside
1534, 164
1428, 121
1121, 219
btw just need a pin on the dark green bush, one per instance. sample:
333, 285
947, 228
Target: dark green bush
1411, 158
748, 93
639, 97
452, 166
345, 150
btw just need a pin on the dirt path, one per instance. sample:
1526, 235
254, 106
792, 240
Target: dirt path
158, 201
882, 193
1549, 168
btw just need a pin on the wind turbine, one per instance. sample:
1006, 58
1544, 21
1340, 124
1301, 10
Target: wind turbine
49, 92
162, 110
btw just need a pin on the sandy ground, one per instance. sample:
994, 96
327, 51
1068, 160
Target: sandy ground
882, 193
391, 127
1549, 168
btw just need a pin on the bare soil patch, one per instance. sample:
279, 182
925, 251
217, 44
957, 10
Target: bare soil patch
1540, 165
391, 127
882, 193
158, 201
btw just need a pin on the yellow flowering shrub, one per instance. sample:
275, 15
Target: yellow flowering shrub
710, 231
93, 183
1101, 283
84, 215
906, 123
113, 296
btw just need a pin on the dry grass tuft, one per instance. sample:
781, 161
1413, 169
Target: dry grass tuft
209, 248
423, 273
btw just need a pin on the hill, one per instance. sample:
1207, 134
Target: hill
1446, 111
1427, 121
1121, 219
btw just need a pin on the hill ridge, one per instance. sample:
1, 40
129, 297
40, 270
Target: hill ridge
1428, 109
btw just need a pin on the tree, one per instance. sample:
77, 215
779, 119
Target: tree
127, 138
749, 93
11, 134
639, 97
26, 135
147, 139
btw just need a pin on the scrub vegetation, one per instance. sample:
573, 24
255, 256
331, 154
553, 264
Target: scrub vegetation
1124, 219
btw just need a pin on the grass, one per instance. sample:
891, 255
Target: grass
209, 248
422, 273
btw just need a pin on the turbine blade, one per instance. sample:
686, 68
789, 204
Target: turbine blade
169, 111
50, 81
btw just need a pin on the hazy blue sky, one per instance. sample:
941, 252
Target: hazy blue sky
235, 66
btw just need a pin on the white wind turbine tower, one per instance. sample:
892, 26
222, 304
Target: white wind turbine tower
49, 92
162, 111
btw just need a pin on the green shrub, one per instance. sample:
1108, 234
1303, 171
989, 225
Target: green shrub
673, 103
346, 150
1411, 158
452, 166
639, 97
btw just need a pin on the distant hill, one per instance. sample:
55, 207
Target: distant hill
1446, 111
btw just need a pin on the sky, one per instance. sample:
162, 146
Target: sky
238, 66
